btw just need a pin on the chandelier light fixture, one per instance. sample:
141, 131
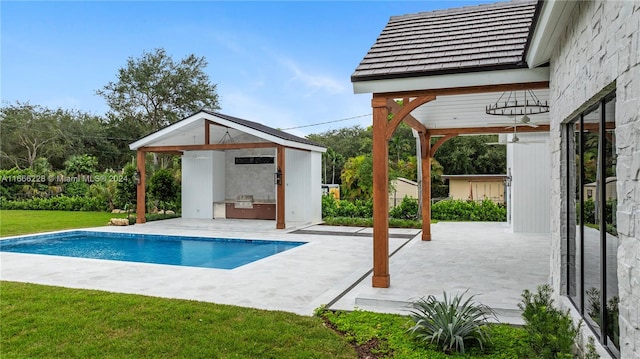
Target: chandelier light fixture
517, 103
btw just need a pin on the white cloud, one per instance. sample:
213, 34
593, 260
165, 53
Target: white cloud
313, 81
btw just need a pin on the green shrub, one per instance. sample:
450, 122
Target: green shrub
163, 187
77, 188
551, 332
458, 210
58, 203
408, 209
343, 208
450, 323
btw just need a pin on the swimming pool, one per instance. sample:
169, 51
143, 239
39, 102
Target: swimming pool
202, 252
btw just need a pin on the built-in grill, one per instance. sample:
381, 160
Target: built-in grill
243, 201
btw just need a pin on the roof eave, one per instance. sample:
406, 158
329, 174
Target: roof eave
551, 22
202, 114
402, 75
453, 80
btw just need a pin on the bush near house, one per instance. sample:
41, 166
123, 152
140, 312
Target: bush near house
26, 189
458, 210
447, 210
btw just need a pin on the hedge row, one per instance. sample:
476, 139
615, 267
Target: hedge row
447, 210
58, 203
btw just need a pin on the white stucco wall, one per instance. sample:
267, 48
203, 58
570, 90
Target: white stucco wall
197, 192
530, 165
598, 51
303, 188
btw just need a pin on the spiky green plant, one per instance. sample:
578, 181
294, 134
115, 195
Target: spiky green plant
450, 323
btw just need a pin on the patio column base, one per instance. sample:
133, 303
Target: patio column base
381, 281
426, 236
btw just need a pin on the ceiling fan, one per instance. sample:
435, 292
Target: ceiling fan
502, 139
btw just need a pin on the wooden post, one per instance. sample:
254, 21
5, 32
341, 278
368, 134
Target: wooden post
207, 131
280, 213
381, 278
140, 189
425, 149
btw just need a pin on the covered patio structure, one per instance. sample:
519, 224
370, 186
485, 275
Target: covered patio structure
235, 168
441, 73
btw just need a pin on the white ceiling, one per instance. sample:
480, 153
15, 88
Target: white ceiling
463, 111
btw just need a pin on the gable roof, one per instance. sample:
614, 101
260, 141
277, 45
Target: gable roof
475, 38
194, 125
264, 129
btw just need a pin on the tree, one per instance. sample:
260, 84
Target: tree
357, 177
471, 155
126, 189
26, 133
163, 187
80, 165
153, 91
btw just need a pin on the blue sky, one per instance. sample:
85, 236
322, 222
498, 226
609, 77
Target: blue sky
283, 64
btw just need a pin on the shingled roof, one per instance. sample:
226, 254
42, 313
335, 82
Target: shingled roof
474, 38
262, 128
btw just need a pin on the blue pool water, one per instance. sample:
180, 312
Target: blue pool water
174, 250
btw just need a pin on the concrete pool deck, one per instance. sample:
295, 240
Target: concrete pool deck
485, 258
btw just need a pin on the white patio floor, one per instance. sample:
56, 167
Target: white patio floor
482, 257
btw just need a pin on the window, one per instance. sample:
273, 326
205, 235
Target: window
592, 244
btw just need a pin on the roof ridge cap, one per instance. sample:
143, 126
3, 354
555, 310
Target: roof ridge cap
463, 9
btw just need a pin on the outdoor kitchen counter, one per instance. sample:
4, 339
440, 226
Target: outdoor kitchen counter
259, 209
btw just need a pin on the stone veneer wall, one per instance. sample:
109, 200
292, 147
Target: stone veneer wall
599, 51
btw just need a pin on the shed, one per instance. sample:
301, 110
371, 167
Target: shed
402, 187
235, 168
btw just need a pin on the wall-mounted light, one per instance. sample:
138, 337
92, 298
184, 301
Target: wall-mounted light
277, 177
136, 177
507, 180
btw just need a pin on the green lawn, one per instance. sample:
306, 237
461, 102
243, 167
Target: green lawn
16, 222
52, 322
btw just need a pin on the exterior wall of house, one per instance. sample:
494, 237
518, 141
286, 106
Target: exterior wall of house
600, 51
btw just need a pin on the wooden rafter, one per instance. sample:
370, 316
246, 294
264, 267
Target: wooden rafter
394, 107
439, 143
485, 130
467, 90
404, 112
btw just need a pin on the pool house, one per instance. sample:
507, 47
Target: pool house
235, 168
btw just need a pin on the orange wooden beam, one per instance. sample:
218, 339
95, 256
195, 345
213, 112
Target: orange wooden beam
141, 205
439, 143
467, 90
280, 195
394, 107
207, 131
381, 278
485, 130
405, 110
